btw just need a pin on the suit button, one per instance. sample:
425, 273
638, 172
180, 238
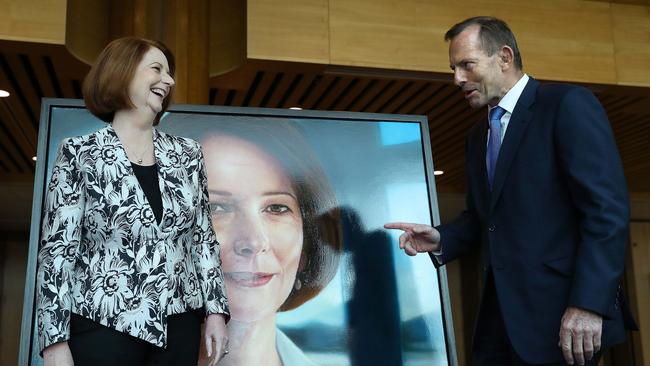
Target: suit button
492, 228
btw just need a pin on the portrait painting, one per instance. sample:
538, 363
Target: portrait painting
297, 201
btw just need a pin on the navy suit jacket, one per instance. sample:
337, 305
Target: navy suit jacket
554, 228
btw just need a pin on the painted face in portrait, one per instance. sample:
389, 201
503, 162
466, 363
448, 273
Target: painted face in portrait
257, 218
478, 75
151, 82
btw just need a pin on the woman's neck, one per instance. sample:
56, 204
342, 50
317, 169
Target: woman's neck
252, 343
136, 135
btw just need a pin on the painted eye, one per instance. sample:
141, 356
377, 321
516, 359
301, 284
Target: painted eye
218, 208
277, 209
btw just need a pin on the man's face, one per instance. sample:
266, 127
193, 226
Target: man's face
479, 76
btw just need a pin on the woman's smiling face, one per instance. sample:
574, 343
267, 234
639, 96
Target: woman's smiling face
151, 82
257, 218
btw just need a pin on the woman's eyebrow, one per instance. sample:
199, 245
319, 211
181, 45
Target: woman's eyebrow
275, 193
220, 193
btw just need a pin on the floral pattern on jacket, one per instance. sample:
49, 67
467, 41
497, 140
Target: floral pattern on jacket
104, 256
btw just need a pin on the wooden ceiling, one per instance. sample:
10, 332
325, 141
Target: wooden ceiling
31, 71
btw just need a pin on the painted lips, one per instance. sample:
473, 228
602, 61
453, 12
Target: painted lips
249, 279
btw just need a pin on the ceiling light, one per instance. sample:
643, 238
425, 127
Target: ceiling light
4, 93
438, 172
34, 158
296, 108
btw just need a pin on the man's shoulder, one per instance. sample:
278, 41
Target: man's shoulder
558, 91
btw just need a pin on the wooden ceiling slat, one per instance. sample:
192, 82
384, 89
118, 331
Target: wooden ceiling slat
413, 94
451, 108
623, 136
604, 98
420, 103
435, 100
387, 95
15, 145
16, 119
64, 80
639, 168
634, 146
49, 70
262, 89
326, 83
626, 123
354, 94
638, 162
52, 76
450, 167
452, 178
337, 93
25, 89
229, 97
10, 164
454, 124
309, 90
40, 69
373, 89
624, 104
219, 96
281, 88
271, 90
397, 91
295, 83
401, 97
304, 83
634, 143
379, 94
238, 99
252, 89
621, 122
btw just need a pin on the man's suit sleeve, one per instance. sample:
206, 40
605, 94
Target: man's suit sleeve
588, 156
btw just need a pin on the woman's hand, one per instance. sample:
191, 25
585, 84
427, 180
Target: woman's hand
215, 338
58, 354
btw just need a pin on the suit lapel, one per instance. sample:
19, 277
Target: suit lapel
478, 140
164, 171
123, 160
516, 128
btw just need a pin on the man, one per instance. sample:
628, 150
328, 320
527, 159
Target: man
546, 203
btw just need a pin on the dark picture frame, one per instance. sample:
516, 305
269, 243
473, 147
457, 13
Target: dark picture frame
374, 163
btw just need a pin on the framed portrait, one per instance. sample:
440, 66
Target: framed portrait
298, 201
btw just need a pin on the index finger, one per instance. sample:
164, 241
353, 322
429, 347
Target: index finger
565, 345
399, 225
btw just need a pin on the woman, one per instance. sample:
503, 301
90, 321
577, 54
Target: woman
276, 217
129, 260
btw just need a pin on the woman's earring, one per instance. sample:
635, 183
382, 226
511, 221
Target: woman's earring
297, 285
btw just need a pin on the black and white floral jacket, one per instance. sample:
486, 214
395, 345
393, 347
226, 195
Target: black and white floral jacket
104, 256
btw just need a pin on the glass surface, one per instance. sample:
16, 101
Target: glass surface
377, 306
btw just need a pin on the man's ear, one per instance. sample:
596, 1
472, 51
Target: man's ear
506, 57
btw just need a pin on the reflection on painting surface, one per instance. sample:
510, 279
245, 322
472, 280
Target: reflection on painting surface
298, 205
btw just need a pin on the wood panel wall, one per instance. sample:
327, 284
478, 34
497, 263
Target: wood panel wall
565, 40
33, 20
638, 274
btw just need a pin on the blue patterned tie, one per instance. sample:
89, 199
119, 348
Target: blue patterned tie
494, 143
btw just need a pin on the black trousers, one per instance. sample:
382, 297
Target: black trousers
492, 346
93, 344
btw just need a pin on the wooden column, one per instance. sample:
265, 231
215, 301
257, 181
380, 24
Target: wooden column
181, 24
638, 274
